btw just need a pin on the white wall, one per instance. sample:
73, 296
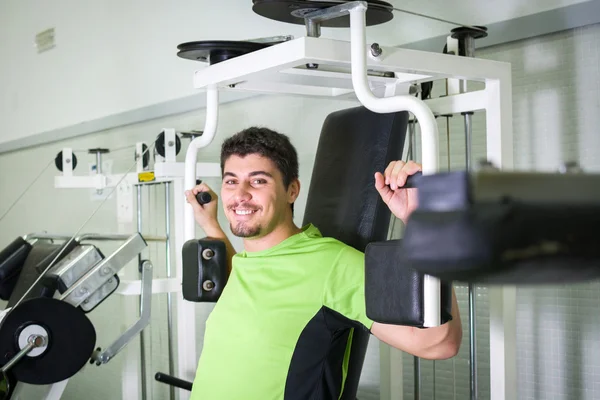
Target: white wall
114, 56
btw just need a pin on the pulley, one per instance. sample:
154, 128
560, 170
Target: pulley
160, 144
58, 161
44, 341
145, 156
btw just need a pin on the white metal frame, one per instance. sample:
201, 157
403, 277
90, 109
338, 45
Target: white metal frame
345, 68
166, 169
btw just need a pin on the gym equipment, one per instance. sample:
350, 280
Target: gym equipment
394, 290
172, 381
214, 52
161, 144
295, 11
381, 78
345, 163
45, 335
11, 263
204, 270
497, 227
161, 171
203, 198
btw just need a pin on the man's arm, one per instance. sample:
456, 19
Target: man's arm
437, 343
433, 343
206, 218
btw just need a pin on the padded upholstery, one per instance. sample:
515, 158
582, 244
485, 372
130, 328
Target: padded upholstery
40, 256
342, 200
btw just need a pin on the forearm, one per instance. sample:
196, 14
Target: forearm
214, 231
440, 342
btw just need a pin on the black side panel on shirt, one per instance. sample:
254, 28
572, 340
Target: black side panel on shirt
342, 200
315, 371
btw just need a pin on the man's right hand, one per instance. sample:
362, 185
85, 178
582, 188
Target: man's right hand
206, 214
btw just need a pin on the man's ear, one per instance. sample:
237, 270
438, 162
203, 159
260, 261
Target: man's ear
293, 191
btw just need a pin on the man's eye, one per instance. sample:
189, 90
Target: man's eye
229, 182
259, 181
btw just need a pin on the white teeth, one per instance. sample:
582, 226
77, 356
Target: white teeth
243, 212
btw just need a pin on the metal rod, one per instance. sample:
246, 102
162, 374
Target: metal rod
169, 275
411, 140
91, 236
313, 28
142, 333
95, 236
473, 343
411, 13
468, 141
469, 48
417, 382
31, 344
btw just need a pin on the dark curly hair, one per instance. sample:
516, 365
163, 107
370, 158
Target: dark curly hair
267, 143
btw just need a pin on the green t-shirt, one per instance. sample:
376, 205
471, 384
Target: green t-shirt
283, 325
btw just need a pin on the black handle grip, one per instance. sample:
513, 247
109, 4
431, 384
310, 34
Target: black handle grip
171, 380
203, 198
413, 180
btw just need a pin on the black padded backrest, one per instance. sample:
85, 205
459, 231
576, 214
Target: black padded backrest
342, 200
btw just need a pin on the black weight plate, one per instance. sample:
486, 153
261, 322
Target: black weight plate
215, 51
71, 341
461, 32
293, 11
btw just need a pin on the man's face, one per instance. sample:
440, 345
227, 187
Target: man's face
254, 196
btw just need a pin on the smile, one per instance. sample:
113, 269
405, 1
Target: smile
244, 212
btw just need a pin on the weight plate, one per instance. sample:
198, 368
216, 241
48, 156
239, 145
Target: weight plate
293, 11
461, 32
71, 340
215, 51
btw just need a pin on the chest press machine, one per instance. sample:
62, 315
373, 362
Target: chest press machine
493, 226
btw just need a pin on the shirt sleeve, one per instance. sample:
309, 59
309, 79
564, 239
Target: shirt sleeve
345, 287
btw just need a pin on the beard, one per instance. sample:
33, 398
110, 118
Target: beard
244, 230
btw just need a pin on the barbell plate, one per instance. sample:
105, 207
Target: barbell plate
293, 11
71, 340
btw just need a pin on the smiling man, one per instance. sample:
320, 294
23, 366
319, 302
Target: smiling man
281, 328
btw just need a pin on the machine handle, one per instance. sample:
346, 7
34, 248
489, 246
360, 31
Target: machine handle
171, 380
203, 198
413, 180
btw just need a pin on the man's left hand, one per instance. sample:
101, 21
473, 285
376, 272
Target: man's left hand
402, 202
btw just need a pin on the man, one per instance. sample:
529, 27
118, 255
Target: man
281, 328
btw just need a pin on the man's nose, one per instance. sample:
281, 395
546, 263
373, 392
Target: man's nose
242, 193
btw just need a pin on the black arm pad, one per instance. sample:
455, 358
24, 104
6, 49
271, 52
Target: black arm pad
393, 291
204, 270
12, 259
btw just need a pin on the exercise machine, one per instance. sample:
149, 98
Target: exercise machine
384, 80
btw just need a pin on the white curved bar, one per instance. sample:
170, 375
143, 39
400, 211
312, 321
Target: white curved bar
191, 156
429, 132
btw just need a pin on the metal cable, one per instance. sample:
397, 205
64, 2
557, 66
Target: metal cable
77, 232
26, 190
411, 13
